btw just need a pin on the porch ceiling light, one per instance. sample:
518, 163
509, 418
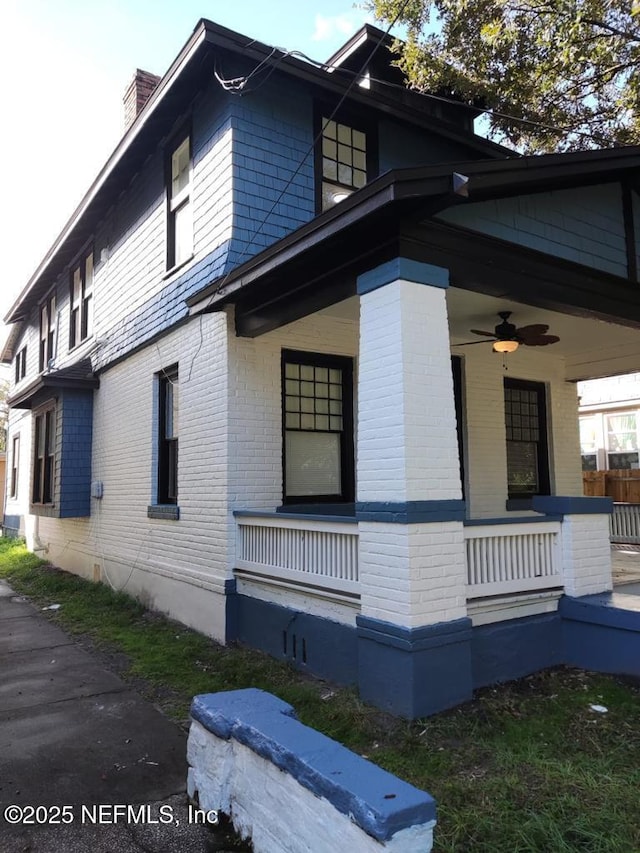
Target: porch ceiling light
505, 346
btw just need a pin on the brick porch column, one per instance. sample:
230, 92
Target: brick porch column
414, 633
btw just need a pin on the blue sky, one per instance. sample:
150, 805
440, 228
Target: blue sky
65, 65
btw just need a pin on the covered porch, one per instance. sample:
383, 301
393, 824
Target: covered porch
411, 512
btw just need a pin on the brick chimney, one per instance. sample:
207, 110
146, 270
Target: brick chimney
138, 93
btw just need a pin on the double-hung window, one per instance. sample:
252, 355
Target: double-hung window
317, 404
15, 466
168, 436
622, 440
81, 301
47, 331
44, 455
526, 431
180, 215
344, 160
21, 365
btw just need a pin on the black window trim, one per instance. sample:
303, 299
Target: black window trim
15, 466
21, 364
42, 470
168, 449
347, 455
174, 142
519, 500
47, 344
86, 303
357, 120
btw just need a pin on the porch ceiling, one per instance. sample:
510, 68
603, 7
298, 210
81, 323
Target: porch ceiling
590, 348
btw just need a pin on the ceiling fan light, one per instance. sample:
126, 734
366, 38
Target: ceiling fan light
505, 346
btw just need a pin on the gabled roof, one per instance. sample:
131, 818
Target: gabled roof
193, 65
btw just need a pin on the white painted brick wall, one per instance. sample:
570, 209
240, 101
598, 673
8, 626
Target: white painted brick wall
407, 448
486, 462
178, 567
586, 554
271, 808
412, 574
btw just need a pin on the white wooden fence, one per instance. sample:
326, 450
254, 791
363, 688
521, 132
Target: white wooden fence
308, 552
508, 558
624, 523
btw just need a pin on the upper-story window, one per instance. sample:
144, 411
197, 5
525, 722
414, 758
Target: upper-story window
180, 215
21, 364
47, 331
345, 160
81, 301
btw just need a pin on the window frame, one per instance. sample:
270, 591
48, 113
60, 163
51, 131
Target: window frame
15, 466
543, 461
81, 311
182, 201
607, 432
347, 454
44, 466
21, 364
356, 121
48, 336
168, 447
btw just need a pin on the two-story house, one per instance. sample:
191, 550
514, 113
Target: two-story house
244, 388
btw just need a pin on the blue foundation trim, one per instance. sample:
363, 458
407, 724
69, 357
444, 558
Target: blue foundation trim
525, 519
326, 648
503, 651
379, 803
11, 525
558, 505
402, 269
410, 512
602, 632
304, 516
414, 672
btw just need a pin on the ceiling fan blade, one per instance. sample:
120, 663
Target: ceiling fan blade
533, 330
471, 343
480, 332
541, 341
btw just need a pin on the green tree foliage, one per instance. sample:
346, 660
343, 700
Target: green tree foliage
569, 67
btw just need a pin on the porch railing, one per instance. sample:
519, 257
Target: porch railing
624, 523
312, 553
504, 558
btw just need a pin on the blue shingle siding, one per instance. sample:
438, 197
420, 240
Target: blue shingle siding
584, 225
401, 146
75, 425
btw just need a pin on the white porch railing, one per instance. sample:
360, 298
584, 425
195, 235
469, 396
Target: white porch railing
315, 554
508, 558
624, 523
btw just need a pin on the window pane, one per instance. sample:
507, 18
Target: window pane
330, 169
522, 467
359, 140
183, 233
359, 178
292, 371
313, 463
344, 134
180, 168
345, 174
88, 274
329, 148
306, 371
329, 128
589, 462
344, 155
623, 460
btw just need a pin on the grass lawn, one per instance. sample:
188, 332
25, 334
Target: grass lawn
524, 767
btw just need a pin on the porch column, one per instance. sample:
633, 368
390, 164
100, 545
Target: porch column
586, 545
414, 634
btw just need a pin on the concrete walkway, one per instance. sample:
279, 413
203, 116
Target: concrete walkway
74, 734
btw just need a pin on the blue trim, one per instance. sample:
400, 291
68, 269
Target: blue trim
410, 512
299, 516
340, 509
501, 651
402, 269
525, 519
379, 803
230, 586
11, 525
310, 643
602, 632
414, 672
558, 505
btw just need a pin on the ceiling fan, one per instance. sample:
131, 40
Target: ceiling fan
507, 337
